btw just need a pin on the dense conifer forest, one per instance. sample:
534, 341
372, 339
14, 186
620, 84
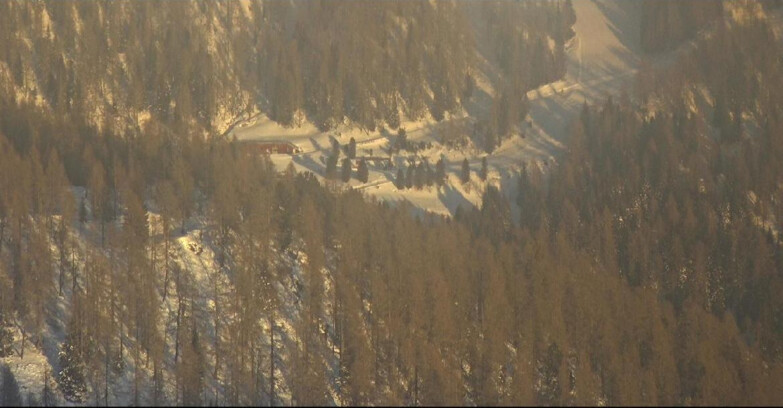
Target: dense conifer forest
165, 267
197, 65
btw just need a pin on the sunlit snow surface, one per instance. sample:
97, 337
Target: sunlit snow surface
601, 60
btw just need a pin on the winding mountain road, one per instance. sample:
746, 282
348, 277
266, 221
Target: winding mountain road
603, 60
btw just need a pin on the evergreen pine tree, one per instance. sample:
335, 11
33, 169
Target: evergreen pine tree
400, 180
721, 117
335, 148
346, 170
82, 211
331, 167
402, 140
6, 337
192, 370
409, 175
549, 372
470, 86
47, 396
72, 377
393, 114
568, 20
419, 176
440, 172
523, 108
429, 178
363, 173
490, 140
465, 174
351, 153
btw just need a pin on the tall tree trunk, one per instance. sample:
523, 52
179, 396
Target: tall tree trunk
24, 337
166, 262
46, 392
73, 269
61, 280
106, 374
176, 340
416, 384
217, 326
253, 369
272, 358
136, 372
2, 234
156, 384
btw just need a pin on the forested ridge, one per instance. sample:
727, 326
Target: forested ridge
645, 268
666, 24
198, 66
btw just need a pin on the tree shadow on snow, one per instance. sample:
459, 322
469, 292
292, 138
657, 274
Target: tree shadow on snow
453, 198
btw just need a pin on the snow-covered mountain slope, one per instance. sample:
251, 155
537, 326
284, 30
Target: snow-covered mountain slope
203, 295
601, 61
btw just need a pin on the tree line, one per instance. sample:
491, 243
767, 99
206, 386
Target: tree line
643, 270
573, 305
198, 66
665, 24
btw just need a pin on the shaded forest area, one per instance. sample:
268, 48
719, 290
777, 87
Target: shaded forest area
685, 197
199, 65
667, 23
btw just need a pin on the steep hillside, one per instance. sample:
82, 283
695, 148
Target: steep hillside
261, 288
142, 263
199, 66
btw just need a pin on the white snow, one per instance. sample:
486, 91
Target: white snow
601, 60
29, 371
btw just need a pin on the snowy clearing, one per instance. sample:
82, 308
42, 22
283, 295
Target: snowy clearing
601, 61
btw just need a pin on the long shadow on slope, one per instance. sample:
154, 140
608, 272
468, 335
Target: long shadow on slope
308, 162
453, 198
553, 118
509, 185
315, 144
624, 19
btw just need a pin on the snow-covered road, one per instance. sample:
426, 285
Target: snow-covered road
603, 60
